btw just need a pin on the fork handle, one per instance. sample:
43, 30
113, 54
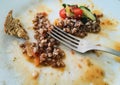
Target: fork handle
108, 50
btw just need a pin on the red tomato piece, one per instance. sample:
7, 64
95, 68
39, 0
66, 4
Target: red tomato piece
77, 12
62, 13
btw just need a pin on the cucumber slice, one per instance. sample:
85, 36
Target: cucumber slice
88, 13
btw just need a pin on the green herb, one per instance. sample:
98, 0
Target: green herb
64, 5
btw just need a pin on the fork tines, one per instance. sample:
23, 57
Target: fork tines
64, 37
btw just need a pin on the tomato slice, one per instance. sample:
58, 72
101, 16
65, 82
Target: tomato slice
77, 12
62, 13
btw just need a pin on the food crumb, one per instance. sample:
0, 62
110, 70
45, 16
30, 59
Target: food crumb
79, 66
72, 52
88, 62
35, 74
98, 53
98, 13
13, 26
108, 62
14, 59
69, 72
30, 11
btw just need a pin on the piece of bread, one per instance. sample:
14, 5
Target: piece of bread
13, 26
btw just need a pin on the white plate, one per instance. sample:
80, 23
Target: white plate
19, 72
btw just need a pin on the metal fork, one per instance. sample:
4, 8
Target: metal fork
78, 44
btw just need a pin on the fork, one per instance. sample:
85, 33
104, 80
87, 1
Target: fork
78, 44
